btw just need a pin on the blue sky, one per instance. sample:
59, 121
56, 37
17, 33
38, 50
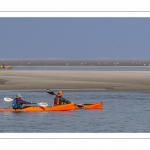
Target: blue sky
74, 38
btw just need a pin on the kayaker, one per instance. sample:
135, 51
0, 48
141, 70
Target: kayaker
59, 100
3, 65
18, 102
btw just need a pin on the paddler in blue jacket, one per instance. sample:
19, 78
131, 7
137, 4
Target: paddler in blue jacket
18, 102
59, 100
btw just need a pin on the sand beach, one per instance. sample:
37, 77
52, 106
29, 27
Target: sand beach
75, 80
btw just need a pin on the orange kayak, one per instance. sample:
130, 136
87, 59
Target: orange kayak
66, 107
97, 105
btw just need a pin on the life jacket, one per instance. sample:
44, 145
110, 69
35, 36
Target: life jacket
14, 104
57, 101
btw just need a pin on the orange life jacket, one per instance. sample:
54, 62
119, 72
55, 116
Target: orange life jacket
57, 101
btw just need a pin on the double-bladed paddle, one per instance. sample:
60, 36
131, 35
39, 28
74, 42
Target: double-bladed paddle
7, 99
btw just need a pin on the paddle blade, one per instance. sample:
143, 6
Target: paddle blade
50, 92
7, 99
43, 104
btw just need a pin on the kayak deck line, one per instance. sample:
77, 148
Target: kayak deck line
66, 107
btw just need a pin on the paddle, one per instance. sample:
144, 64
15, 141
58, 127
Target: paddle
7, 99
52, 93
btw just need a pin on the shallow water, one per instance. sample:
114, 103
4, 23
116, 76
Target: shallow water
123, 112
86, 68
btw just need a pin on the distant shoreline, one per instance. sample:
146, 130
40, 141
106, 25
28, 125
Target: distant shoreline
75, 62
83, 66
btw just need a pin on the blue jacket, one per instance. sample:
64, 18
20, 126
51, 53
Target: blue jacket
17, 103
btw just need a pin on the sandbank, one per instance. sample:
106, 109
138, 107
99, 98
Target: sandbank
75, 80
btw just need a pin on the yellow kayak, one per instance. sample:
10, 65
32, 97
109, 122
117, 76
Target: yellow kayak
6, 67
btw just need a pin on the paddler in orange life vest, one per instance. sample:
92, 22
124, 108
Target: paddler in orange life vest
59, 100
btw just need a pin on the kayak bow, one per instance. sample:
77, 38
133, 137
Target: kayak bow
97, 105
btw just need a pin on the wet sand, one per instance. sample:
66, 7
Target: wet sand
75, 80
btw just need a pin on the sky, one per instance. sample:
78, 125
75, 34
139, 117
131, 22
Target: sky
74, 38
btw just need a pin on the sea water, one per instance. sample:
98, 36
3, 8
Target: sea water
123, 112
84, 68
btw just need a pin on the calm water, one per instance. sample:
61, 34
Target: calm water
86, 68
123, 112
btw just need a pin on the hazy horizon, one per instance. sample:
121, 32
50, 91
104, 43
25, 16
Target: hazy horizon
75, 38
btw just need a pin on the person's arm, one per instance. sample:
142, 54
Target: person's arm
23, 102
65, 101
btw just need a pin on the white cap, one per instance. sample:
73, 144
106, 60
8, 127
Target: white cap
18, 95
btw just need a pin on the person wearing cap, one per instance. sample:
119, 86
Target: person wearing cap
18, 102
59, 100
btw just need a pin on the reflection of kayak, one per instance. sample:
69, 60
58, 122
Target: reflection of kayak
6, 67
66, 107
